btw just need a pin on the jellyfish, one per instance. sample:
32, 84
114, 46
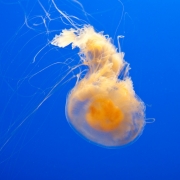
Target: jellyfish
102, 107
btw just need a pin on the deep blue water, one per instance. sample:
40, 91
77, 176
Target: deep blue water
39, 143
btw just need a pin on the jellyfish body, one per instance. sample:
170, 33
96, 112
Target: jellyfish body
101, 107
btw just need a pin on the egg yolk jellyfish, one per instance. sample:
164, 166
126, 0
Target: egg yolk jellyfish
101, 107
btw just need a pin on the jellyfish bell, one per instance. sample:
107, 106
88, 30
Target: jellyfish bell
101, 107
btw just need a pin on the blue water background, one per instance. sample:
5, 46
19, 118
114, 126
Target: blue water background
41, 144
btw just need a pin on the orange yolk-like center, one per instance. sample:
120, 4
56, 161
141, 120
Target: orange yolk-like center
104, 115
